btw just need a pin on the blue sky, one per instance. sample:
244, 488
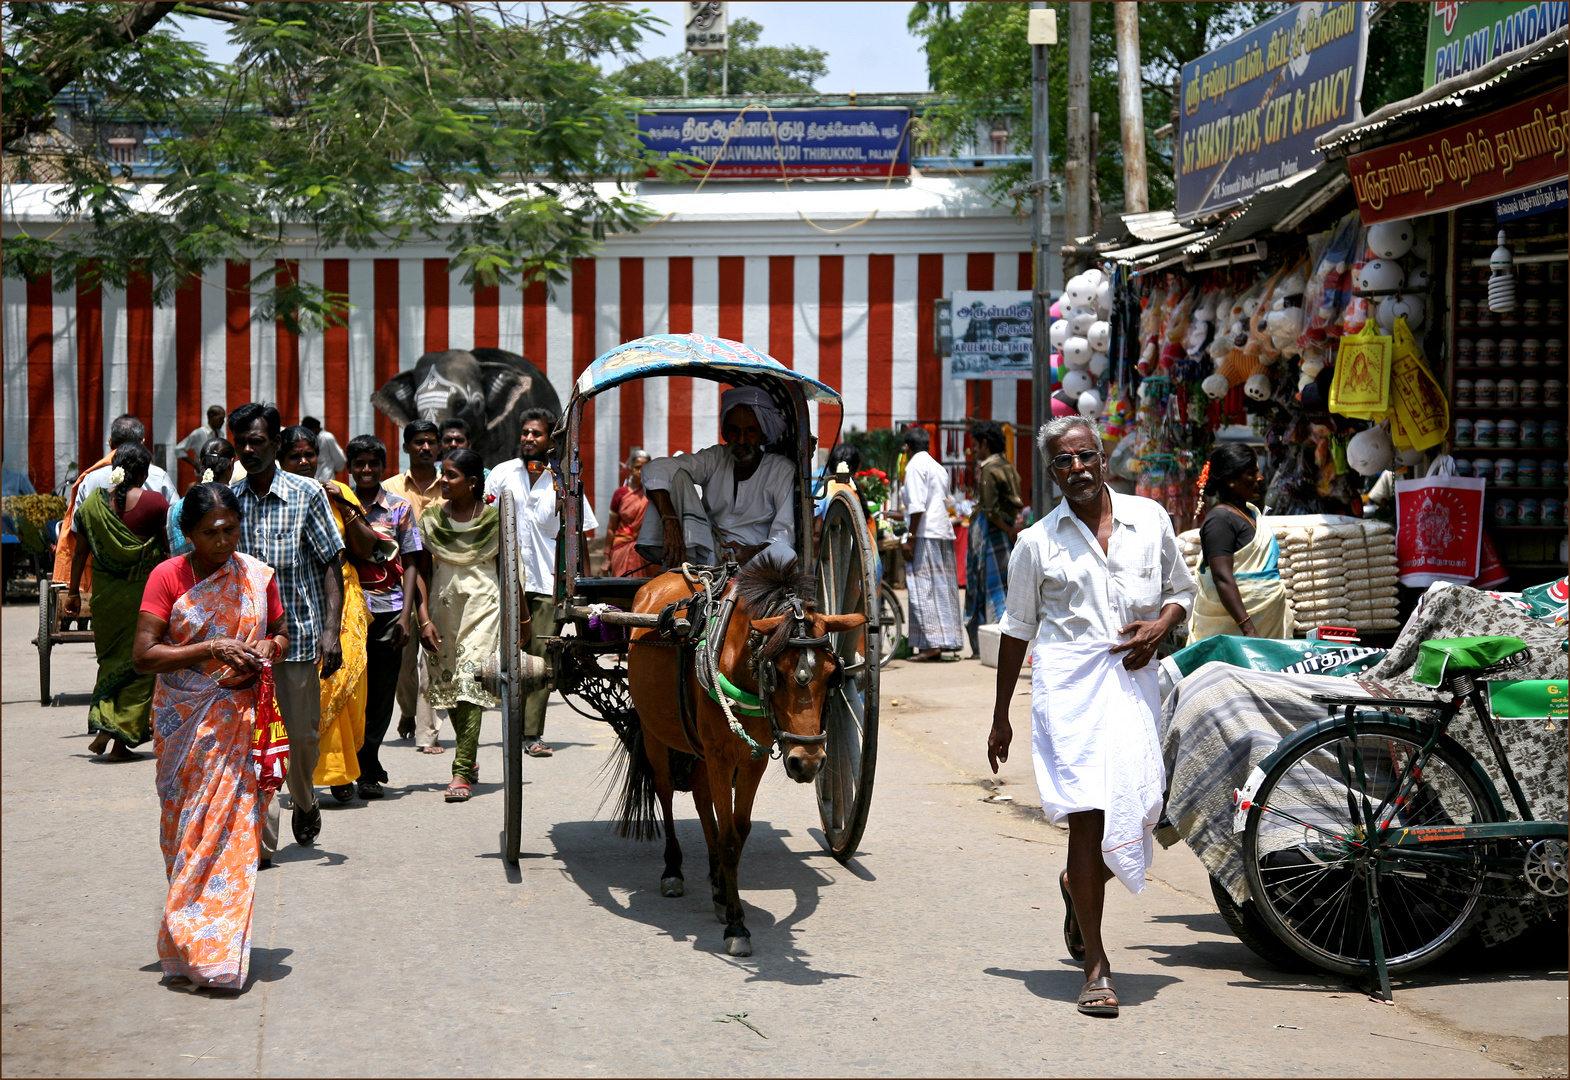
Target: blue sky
869, 48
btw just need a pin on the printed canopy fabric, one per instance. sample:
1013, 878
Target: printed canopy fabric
696, 355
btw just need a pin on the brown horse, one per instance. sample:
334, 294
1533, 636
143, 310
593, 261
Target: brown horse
773, 632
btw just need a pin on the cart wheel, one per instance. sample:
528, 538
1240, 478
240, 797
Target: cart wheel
46, 629
848, 584
512, 690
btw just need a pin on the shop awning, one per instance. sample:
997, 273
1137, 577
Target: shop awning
1174, 245
1526, 66
1272, 206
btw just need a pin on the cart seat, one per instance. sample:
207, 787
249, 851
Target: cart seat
1448, 658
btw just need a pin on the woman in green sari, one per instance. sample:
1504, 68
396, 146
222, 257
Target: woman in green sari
122, 527
460, 608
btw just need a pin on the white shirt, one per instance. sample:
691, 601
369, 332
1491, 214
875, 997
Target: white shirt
329, 456
537, 521
197, 439
157, 480
1061, 582
927, 494
759, 510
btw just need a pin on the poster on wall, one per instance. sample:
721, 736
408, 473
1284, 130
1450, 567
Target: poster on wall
1464, 36
991, 335
1250, 111
766, 143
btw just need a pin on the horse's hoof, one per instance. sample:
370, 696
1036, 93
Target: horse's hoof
738, 946
672, 886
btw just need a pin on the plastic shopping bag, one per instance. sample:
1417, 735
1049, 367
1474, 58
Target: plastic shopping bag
1420, 419
1361, 386
270, 748
1439, 526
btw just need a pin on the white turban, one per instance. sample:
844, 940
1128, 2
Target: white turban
770, 419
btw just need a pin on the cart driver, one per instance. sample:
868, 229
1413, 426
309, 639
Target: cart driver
748, 499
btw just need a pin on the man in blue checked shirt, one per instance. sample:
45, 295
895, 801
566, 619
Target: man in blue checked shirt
286, 522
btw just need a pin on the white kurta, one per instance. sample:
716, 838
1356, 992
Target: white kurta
537, 522
759, 510
1094, 736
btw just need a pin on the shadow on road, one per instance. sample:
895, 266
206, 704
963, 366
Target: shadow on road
623, 877
1063, 984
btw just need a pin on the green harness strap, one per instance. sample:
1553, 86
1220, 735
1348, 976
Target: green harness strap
741, 701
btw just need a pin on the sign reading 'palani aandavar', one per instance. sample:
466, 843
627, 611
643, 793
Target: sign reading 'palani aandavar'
1252, 108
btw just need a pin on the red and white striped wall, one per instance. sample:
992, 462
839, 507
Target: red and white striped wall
74, 359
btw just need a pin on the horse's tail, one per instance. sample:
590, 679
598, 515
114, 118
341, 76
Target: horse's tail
637, 805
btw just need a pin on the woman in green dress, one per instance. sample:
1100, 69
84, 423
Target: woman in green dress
460, 608
122, 527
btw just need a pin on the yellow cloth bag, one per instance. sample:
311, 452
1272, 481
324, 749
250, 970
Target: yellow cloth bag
1361, 386
1419, 415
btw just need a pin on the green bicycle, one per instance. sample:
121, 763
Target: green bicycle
1370, 837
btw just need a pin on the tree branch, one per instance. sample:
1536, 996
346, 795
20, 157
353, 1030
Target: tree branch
212, 9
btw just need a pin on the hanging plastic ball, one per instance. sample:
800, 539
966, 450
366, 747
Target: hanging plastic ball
1080, 320
1410, 458
1413, 308
1380, 275
1098, 365
1418, 280
1076, 352
1099, 334
1080, 291
1216, 386
1104, 298
1370, 452
1057, 333
1391, 239
1061, 407
1076, 382
1090, 404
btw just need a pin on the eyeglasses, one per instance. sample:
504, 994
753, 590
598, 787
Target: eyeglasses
1087, 458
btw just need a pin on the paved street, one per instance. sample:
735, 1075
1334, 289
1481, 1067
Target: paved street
401, 944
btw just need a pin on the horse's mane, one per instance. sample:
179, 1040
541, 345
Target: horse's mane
764, 583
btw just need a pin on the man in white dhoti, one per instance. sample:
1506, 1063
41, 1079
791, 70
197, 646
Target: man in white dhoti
1103, 580
748, 502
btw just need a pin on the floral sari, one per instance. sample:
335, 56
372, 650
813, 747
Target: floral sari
343, 696
624, 557
204, 723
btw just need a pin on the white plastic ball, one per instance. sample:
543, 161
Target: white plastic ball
1418, 280
1077, 381
1076, 352
1385, 314
1080, 292
1078, 363
1099, 364
1216, 386
1257, 386
1080, 321
1057, 333
1099, 334
1380, 275
1090, 404
1104, 298
1095, 276
1413, 307
1409, 458
1391, 239
1370, 452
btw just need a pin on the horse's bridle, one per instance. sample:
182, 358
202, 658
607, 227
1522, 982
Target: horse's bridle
795, 611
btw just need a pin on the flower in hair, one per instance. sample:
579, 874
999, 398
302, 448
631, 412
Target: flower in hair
207, 476
1204, 478
117, 476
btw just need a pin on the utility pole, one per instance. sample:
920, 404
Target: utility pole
1077, 176
1043, 31
1131, 107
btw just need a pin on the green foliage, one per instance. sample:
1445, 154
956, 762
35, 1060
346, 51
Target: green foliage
880, 448
367, 124
1396, 43
977, 57
754, 69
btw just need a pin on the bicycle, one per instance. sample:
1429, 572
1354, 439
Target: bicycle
1369, 836
891, 623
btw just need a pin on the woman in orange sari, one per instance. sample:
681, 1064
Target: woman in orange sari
628, 505
210, 620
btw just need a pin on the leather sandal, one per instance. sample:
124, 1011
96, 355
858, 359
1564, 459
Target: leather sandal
1098, 997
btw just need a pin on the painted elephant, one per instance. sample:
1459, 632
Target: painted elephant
489, 388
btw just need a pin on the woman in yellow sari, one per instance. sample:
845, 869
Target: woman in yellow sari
344, 695
1240, 586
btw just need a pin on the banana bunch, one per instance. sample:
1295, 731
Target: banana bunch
37, 509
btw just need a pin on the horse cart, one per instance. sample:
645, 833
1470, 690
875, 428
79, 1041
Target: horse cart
587, 661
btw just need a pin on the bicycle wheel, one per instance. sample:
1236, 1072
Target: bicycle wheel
1308, 867
1244, 921
891, 623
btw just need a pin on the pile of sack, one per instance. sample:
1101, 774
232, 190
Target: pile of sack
1339, 572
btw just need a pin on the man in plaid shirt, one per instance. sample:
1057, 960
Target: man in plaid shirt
286, 522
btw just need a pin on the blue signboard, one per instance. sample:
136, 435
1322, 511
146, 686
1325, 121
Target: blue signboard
761, 142
1537, 200
1251, 110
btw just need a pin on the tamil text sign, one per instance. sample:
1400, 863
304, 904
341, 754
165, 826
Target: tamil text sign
991, 335
1464, 36
1515, 148
1252, 109
758, 142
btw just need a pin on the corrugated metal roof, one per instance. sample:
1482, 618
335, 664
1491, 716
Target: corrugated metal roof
1454, 92
1270, 204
